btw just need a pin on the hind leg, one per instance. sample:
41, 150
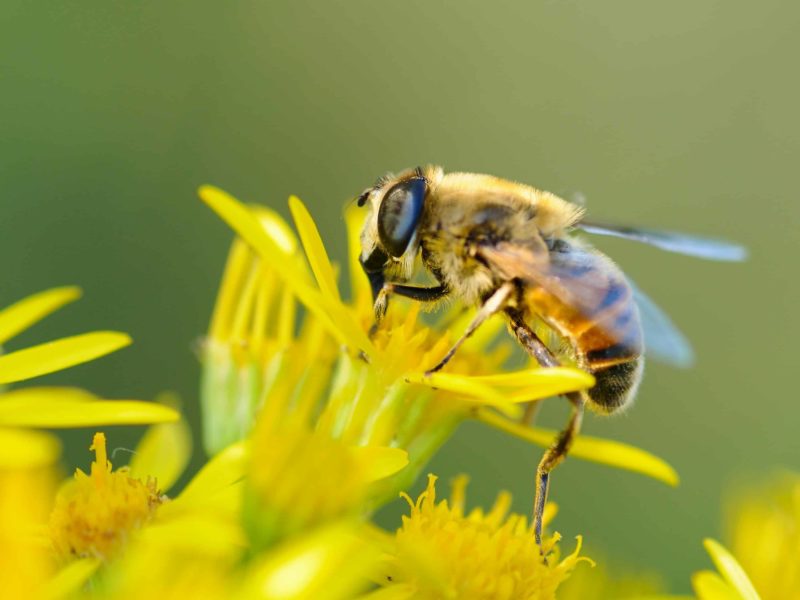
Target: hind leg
558, 451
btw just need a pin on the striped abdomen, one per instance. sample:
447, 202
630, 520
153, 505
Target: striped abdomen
592, 306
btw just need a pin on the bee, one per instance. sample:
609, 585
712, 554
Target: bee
510, 248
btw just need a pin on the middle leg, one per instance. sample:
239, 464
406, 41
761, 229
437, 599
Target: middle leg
495, 303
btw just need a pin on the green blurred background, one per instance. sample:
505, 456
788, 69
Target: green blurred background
680, 115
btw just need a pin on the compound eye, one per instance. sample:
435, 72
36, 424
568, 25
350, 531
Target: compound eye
399, 215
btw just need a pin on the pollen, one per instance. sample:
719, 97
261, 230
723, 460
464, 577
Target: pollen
96, 514
443, 552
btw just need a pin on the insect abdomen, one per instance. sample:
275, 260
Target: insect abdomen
604, 331
616, 384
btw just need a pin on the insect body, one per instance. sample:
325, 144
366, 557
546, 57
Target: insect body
508, 247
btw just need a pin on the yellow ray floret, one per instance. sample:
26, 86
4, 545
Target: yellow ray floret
733, 583
59, 354
315, 250
20, 316
607, 452
338, 320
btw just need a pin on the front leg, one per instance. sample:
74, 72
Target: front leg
415, 292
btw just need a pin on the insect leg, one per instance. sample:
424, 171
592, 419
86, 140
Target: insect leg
415, 292
422, 294
553, 457
558, 451
493, 304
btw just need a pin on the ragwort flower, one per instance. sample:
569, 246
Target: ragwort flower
330, 375
441, 551
763, 532
96, 513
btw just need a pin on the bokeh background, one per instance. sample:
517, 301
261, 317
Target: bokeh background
679, 115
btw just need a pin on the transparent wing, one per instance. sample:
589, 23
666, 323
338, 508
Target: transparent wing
580, 279
663, 341
701, 247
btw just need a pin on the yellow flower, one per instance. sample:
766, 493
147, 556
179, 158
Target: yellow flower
95, 514
443, 552
27, 482
334, 562
603, 583
62, 407
763, 532
299, 479
332, 377
731, 583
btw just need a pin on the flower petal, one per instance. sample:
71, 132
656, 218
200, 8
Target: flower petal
539, 383
332, 562
314, 248
730, 569
21, 315
460, 384
359, 285
20, 449
69, 580
195, 534
607, 452
380, 461
223, 470
59, 354
339, 321
47, 394
708, 585
67, 413
163, 453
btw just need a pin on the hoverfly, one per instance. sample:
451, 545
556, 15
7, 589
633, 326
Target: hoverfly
508, 247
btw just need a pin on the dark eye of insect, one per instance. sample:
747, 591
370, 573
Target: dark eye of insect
399, 215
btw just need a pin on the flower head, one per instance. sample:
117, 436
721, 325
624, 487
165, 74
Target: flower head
95, 514
299, 479
441, 551
330, 375
27, 482
764, 534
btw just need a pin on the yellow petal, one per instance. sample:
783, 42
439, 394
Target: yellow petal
730, 569
536, 384
277, 229
380, 461
460, 384
224, 469
20, 449
69, 580
59, 354
163, 453
710, 586
66, 413
607, 452
331, 563
21, 315
359, 285
193, 534
333, 315
315, 250
47, 394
